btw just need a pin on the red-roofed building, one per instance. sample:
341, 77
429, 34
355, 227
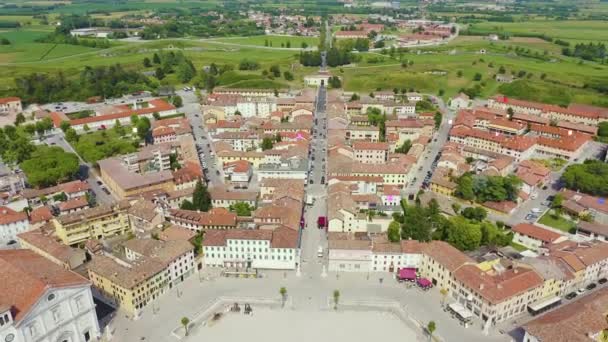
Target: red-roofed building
534, 237
36, 290
350, 34
369, 152
10, 105
11, 224
121, 113
167, 130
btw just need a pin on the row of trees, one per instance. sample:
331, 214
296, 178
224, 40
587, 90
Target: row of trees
481, 188
201, 199
110, 81
588, 51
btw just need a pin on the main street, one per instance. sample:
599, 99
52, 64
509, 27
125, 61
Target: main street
432, 151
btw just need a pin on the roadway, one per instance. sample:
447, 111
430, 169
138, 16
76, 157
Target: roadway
312, 237
432, 151
192, 109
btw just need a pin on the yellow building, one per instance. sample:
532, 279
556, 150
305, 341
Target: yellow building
132, 287
94, 223
254, 158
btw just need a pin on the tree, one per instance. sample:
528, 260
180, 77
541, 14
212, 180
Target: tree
431, 327
603, 129
591, 177
336, 299
510, 113
159, 73
241, 209
444, 293
437, 118
201, 199
19, 119
283, 292
275, 70
459, 73
143, 127
156, 58
71, 135
86, 128
556, 204
147, 62
48, 166
177, 101
288, 75
334, 82
477, 77
464, 235
501, 70
475, 213
186, 324
267, 143
405, 147
304, 45
394, 232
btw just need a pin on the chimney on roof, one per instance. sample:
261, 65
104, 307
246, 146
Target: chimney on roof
569, 132
481, 286
499, 286
515, 270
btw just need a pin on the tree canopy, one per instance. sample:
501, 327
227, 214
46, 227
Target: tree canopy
48, 166
241, 209
487, 188
591, 177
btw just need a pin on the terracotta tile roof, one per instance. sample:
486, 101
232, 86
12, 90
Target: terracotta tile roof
497, 287
156, 105
447, 255
69, 188
176, 233
74, 203
127, 277
164, 251
143, 209
5, 100
281, 237
536, 232
593, 227
8, 216
586, 201
214, 217
240, 166
26, 276
572, 322
41, 214
47, 243
369, 145
504, 206
189, 172
223, 194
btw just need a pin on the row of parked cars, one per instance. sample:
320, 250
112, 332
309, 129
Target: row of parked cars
589, 287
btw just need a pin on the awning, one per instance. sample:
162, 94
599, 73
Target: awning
424, 282
407, 273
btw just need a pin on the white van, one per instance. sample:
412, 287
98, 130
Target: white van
320, 252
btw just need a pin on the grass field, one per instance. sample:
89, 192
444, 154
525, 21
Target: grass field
564, 29
23, 47
558, 223
563, 82
274, 41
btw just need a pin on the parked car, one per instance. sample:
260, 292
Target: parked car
602, 281
591, 286
571, 295
581, 290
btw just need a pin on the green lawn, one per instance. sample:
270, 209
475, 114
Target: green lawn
583, 30
98, 145
559, 223
24, 48
274, 41
563, 82
518, 247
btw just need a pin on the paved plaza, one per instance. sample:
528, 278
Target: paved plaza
303, 326
309, 296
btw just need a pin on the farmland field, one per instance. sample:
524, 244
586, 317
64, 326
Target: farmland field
274, 41
565, 29
24, 49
